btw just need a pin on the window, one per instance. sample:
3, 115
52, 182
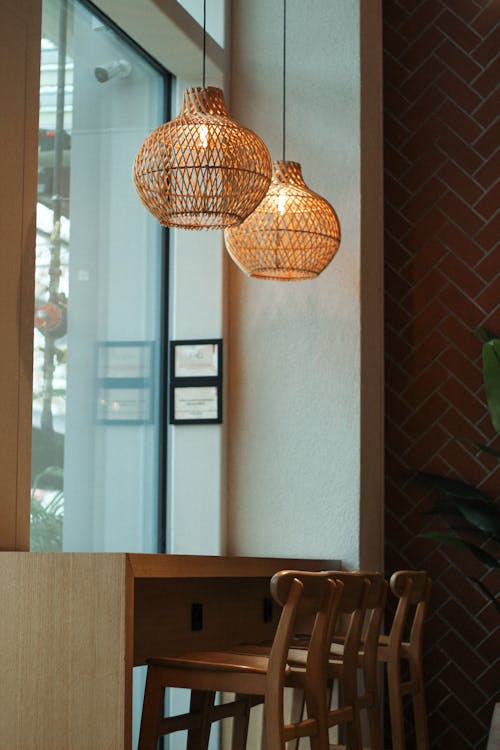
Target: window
100, 293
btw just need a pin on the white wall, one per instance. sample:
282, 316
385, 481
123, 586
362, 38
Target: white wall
294, 432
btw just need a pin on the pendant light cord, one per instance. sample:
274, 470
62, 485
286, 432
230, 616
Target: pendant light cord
284, 76
204, 38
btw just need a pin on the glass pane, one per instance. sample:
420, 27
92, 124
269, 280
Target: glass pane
98, 307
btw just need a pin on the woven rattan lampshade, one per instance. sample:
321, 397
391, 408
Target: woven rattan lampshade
293, 233
202, 170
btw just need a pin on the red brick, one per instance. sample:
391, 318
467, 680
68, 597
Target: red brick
489, 203
423, 107
396, 284
487, 81
425, 415
429, 131
490, 296
463, 367
425, 164
394, 160
427, 75
460, 182
395, 74
488, 265
461, 397
397, 222
458, 61
394, 101
457, 302
425, 198
428, 256
422, 16
394, 132
454, 329
425, 384
487, 173
458, 91
488, 142
427, 351
426, 318
425, 229
459, 152
461, 33
422, 450
395, 192
423, 46
461, 244
460, 213
424, 291
488, 110
466, 9
394, 42
489, 233
487, 50
486, 19
462, 276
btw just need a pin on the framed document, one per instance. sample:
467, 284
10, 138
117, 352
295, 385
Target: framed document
196, 359
196, 381
196, 404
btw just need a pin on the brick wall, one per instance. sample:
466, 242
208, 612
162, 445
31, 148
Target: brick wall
441, 102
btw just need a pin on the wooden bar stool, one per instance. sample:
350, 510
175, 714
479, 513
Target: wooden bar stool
348, 650
413, 589
251, 676
352, 607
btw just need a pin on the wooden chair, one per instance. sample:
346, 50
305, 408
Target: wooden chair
351, 608
347, 650
251, 676
413, 590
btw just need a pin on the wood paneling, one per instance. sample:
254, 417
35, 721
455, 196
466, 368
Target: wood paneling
73, 625
19, 82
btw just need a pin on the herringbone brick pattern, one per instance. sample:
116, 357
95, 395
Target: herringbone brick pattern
441, 102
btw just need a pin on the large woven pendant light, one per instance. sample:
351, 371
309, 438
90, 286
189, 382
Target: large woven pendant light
294, 233
202, 170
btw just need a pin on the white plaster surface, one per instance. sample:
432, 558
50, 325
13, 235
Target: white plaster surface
294, 348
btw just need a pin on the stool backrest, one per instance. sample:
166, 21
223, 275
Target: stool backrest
413, 589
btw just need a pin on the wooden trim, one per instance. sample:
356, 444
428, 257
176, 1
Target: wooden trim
371, 513
19, 91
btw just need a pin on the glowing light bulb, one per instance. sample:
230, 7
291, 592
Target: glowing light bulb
203, 133
281, 203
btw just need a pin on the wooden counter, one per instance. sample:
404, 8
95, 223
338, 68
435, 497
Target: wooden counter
72, 626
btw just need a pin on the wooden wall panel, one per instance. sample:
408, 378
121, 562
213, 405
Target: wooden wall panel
19, 84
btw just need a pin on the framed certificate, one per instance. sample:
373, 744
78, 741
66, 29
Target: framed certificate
196, 404
196, 359
196, 381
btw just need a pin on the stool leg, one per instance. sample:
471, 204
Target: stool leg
240, 724
373, 709
396, 705
152, 710
419, 707
202, 702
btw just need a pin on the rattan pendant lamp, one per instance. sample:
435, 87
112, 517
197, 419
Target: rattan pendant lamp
294, 233
202, 170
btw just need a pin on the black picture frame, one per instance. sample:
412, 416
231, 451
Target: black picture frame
195, 382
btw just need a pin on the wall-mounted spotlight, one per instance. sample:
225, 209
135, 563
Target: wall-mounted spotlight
113, 69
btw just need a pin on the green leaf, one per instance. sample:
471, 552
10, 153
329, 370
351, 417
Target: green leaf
483, 334
491, 376
453, 487
455, 541
484, 448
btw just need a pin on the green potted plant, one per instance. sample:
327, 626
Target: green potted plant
472, 515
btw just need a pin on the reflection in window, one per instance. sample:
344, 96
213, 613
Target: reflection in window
99, 263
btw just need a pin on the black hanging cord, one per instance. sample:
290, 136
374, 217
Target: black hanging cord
204, 37
284, 75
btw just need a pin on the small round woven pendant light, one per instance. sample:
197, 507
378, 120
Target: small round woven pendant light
202, 170
294, 233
